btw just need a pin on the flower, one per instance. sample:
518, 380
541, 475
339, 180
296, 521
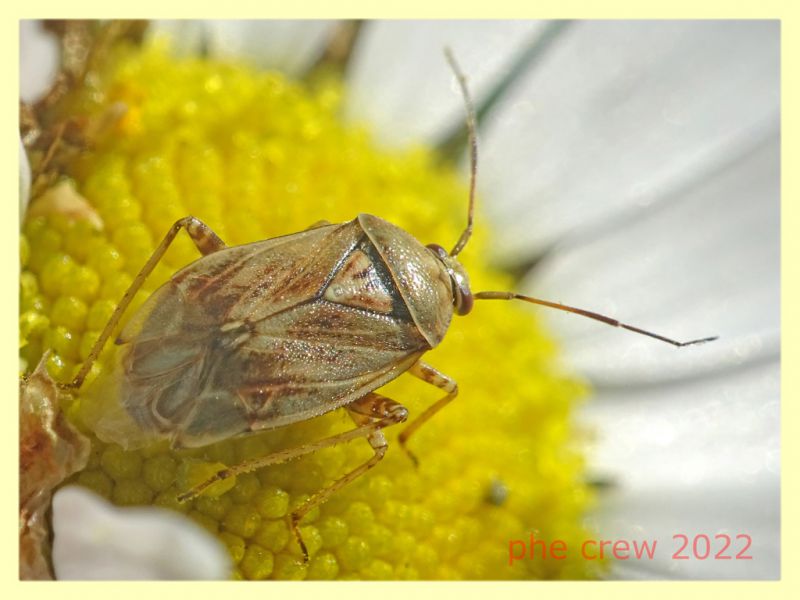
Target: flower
586, 114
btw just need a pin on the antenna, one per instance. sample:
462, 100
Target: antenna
465, 235
473, 149
589, 314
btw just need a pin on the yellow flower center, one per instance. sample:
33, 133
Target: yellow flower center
255, 156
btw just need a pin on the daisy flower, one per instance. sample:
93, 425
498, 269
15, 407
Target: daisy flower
629, 168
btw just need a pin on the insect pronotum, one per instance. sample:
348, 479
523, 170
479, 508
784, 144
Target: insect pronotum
258, 336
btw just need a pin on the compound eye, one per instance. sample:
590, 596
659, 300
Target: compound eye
463, 296
464, 300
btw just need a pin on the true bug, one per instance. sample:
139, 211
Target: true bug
262, 335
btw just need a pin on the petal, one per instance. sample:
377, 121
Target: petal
289, 45
38, 60
693, 458
618, 116
400, 83
96, 540
704, 263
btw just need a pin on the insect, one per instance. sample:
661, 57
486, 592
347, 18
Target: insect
262, 335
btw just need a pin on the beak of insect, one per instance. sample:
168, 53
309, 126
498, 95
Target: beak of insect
462, 295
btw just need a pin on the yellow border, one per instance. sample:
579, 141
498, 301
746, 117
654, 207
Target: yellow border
762, 9
419, 9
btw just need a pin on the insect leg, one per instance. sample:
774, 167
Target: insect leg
283, 456
371, 410
430, 375
206, 241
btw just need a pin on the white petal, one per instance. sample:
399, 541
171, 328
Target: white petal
619, 116
38, 60
705, 263
96, 540
699, 457
399, 82
289, 45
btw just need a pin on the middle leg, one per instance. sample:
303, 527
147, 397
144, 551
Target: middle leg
428, 374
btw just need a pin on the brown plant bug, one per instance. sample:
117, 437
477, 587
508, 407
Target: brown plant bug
254, 337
